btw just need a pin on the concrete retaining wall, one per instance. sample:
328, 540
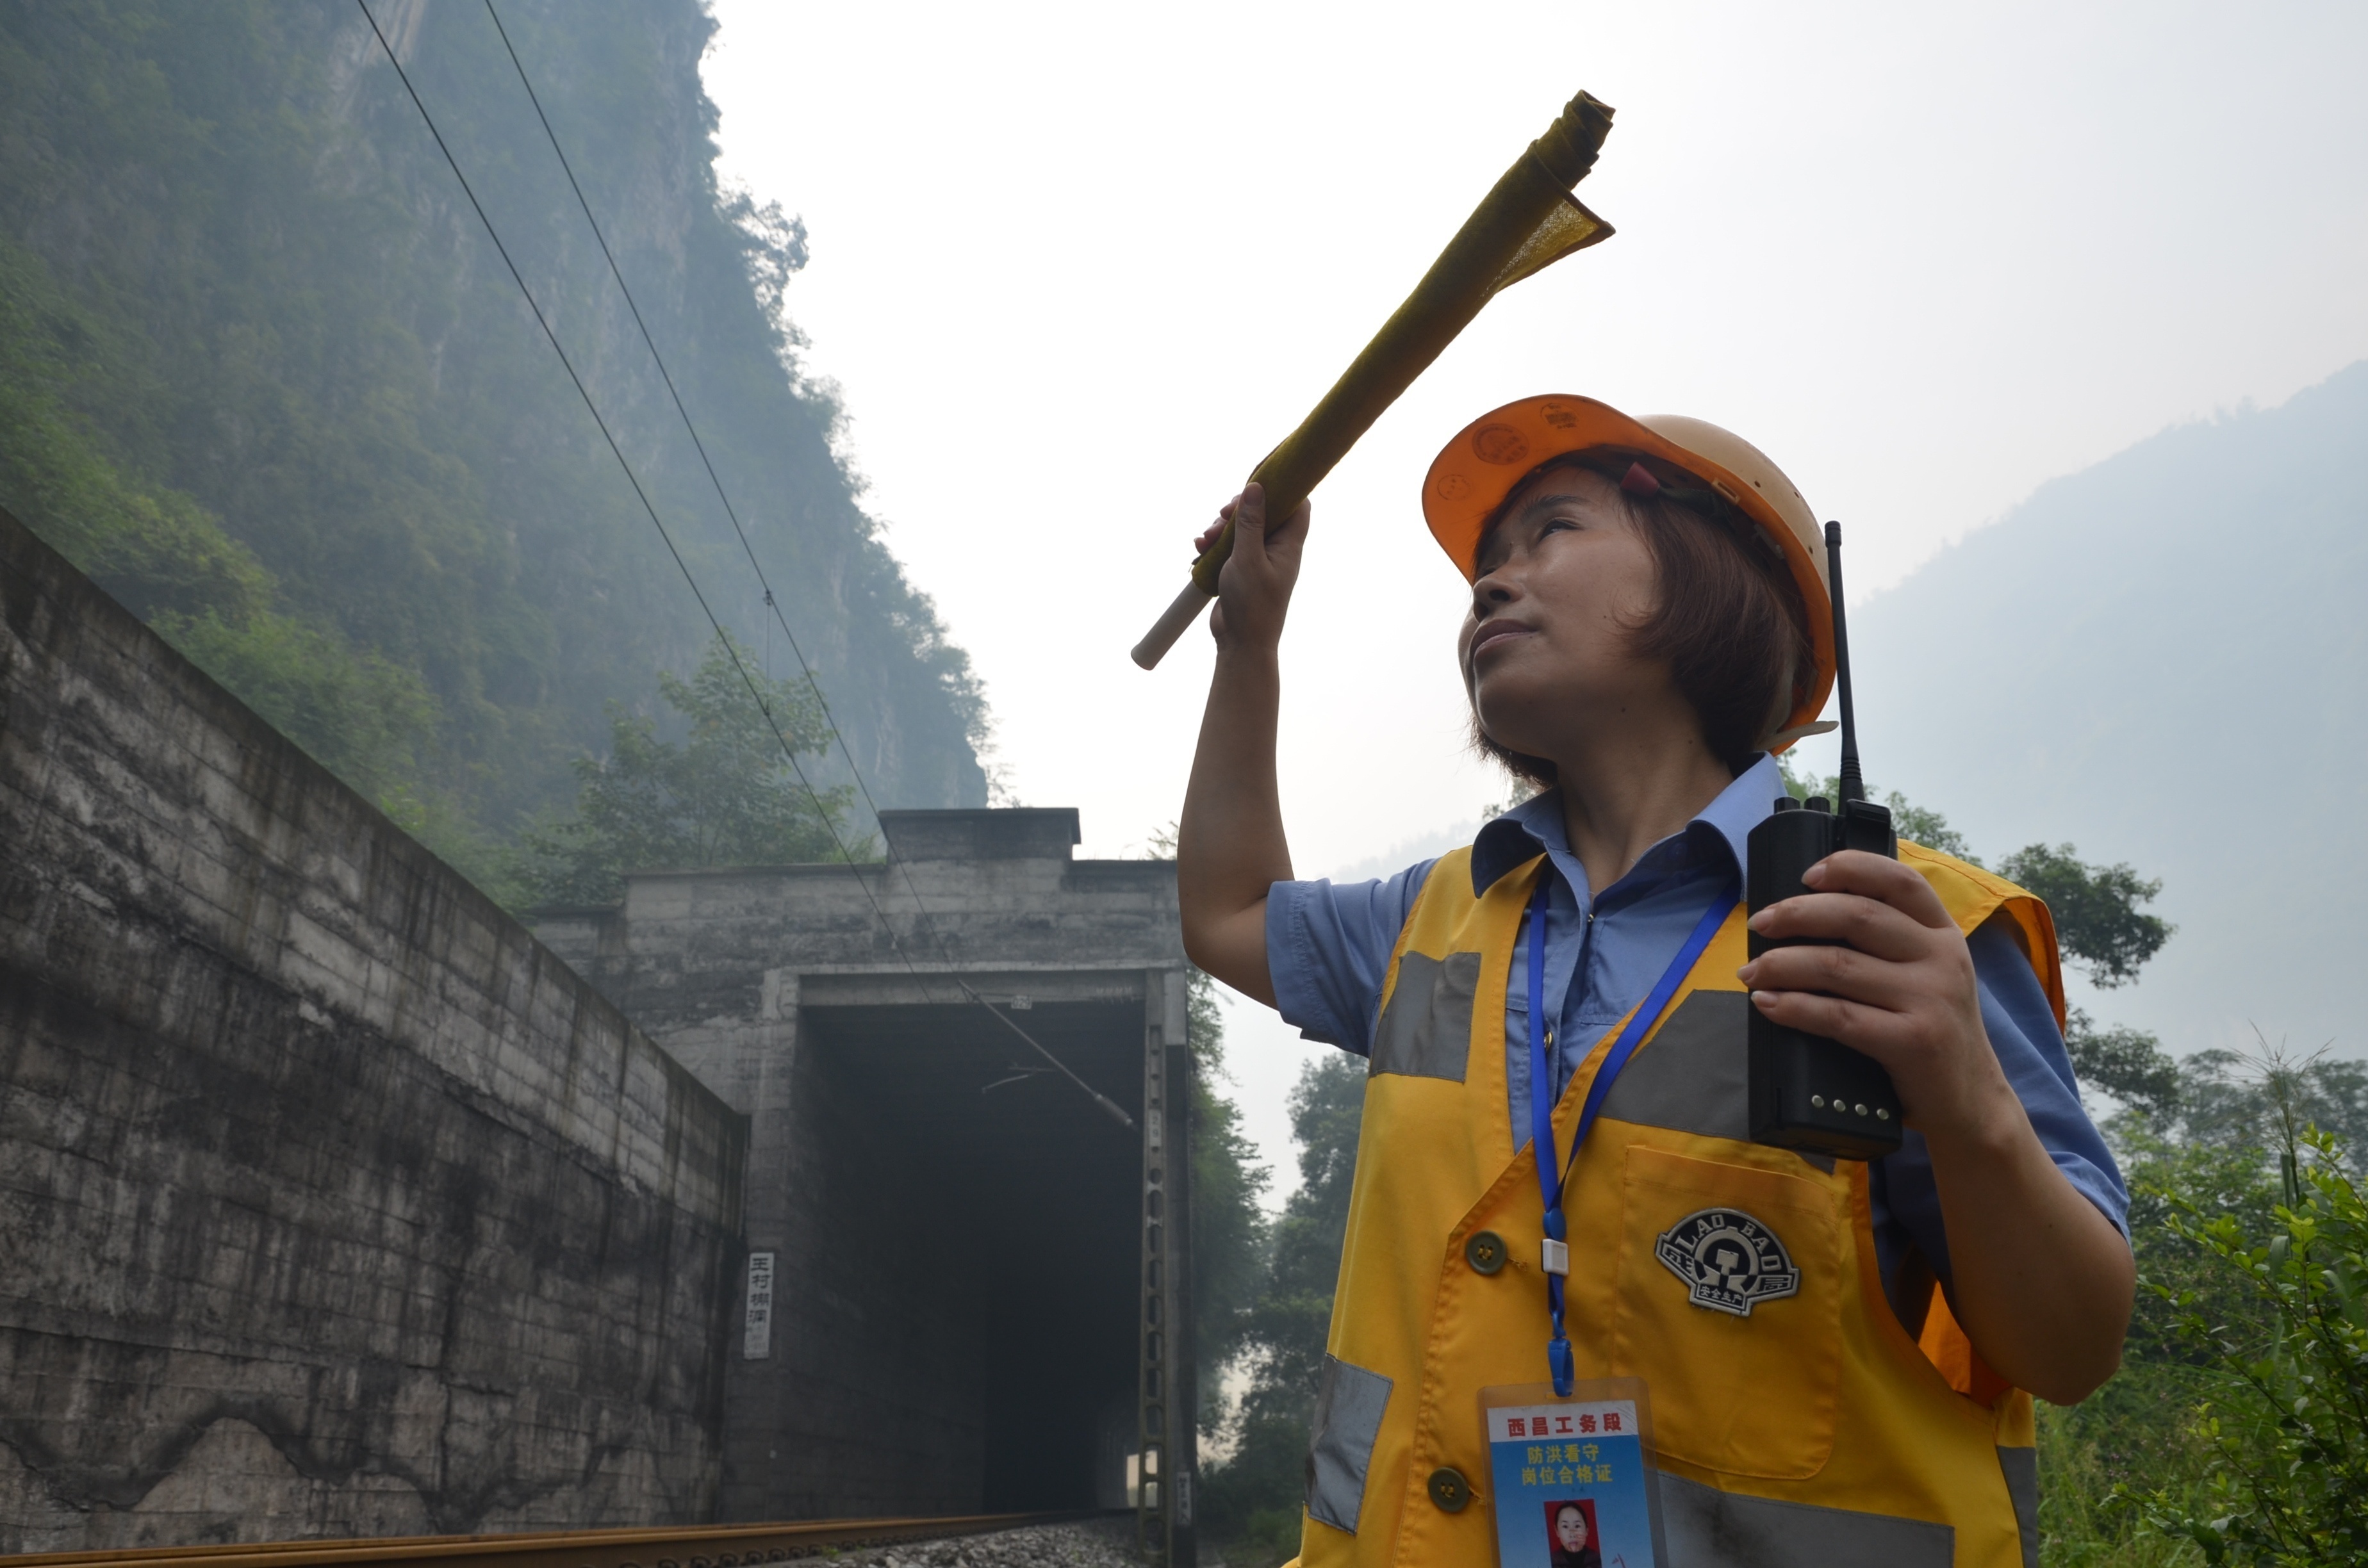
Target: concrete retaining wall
330, 1202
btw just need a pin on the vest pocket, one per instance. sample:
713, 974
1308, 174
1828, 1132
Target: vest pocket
1728, 1304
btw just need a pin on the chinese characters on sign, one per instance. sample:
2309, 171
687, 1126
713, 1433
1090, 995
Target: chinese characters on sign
1549, 1426
756, 1332
1569, 1481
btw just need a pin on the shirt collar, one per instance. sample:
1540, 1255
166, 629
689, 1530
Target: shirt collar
1535, 825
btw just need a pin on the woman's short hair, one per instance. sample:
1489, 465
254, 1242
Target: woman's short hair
1729, 622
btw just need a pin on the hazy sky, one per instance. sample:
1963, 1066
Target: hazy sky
1077, 268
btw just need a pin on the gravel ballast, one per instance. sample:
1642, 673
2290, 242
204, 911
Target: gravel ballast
1084, 1544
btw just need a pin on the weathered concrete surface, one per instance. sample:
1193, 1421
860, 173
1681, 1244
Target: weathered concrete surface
330, 1202
964, 1272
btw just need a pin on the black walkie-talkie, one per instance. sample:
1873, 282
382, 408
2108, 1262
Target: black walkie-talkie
1808, 1092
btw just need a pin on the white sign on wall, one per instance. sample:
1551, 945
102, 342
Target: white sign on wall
757, 1333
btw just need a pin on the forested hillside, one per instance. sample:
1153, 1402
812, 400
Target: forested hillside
263, 375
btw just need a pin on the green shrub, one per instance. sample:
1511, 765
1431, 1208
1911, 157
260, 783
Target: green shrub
2278, 1322
364, 717
732, 794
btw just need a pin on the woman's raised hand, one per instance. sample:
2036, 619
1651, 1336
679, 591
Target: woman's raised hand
1254, 588
1229, 844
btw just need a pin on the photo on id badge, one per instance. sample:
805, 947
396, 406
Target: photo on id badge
1568, 1474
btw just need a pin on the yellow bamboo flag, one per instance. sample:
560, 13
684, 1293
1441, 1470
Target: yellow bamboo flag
1527, 223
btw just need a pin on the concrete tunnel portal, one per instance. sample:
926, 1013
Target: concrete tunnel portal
980, 1279
1014, 1209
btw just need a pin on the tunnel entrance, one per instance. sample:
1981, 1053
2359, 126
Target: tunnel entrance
1005, 1203
964, 1286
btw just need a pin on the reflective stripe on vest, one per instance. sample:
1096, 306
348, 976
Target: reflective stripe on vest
1797, 1421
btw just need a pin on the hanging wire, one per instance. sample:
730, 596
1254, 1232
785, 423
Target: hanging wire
755, 693
927, 921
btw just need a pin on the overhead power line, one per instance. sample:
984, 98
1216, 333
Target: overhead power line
755, 693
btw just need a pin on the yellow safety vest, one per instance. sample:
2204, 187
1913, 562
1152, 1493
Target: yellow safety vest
1815, 1431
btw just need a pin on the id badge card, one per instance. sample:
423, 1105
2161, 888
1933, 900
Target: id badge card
1570, 1476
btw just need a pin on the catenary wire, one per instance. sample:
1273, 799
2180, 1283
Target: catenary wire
747, 546
928, 922
755, 692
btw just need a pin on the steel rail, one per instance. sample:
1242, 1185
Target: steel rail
675, 1546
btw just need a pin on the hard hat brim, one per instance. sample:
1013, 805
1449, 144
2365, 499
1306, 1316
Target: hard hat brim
1489, 457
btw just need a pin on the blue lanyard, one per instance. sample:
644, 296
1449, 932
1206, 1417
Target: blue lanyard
1542, 1134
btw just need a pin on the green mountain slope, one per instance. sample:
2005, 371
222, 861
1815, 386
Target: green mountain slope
261, 373
2163, 658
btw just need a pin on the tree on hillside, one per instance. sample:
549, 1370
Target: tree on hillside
2096, 909
2098, 924
2127, 1063
728, 795
2229, 1100
1253, 1499
1230, 1231
1295, 1316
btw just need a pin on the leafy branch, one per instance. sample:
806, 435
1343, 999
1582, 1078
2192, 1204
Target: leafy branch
2287, 1429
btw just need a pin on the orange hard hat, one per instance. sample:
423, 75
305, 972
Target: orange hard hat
1489, 457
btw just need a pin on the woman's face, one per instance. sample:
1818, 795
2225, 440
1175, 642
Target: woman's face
1570, 1528
1546, 646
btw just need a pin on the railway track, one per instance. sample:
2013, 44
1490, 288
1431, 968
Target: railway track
690, 1546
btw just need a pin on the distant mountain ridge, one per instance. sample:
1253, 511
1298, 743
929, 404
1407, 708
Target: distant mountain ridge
2164, 659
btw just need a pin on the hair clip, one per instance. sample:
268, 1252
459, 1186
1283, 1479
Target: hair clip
1639, 481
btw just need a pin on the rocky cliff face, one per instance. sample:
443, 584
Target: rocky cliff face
243, 278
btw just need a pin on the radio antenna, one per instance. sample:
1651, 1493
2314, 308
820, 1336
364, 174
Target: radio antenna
1853, 785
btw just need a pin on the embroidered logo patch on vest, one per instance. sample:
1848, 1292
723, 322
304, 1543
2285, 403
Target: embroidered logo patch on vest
1728, 1260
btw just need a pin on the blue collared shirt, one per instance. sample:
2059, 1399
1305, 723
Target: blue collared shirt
1328, 949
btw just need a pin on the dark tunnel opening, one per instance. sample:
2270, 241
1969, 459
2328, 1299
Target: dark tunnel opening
993, 1279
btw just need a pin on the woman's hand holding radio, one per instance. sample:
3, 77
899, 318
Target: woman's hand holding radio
2039, 1279
1902, 991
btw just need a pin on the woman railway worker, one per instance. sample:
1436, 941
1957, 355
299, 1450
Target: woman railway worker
1648, 623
